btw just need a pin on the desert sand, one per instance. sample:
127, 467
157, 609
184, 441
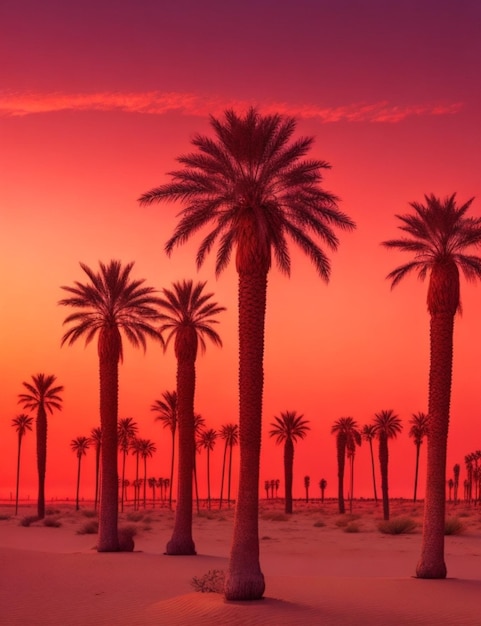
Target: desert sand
316, 572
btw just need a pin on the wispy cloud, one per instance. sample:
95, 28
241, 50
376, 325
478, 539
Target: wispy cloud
160, 103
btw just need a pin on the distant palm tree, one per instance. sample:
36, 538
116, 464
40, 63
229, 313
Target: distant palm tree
41, 396
267, 486
153, 485
322, 486
187, 316
166, 410
199, 424
96, 439
79, 445
273, 488
307, 482
110, 304
230, 434
21, 423
252, 184
127, 429
450, 487
468, 460
439, 234
456, 470
387, 426
146, 451
344, 428
135, 447
207, 439
419, 430
368, 434
287, 429
354, 440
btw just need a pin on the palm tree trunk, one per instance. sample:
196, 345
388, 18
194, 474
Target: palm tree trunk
341, 457
97, 475
352, 483
383, 462
418, 448
431, 563
41, 458
122, 486
196, 487
229, 474
172, 469
288, 465
223, 475
244, 580
208, 478
78, 485
18, 472
373, 471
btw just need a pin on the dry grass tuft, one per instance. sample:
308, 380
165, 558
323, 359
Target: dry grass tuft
211, 582
397, 525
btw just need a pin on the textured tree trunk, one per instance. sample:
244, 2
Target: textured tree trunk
416, 473
373, 471
288, 463
172, 463
341, 457
383, 462
244, 580
229, 478
41, 458
78, 486
18, 472
223, 475
109, 353
97, 475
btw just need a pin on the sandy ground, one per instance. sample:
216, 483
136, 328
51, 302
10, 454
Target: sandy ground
316, 572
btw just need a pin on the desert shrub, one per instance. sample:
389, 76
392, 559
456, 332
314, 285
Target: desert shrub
352, 527
52, 521
135, 516
275, 517
211, 582
126, 536
89, 528
453, 526
28, 520
89, 513
460, 514
397, 526
319, 524
51, 511
5, 517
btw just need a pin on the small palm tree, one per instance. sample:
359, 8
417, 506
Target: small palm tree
345, 429
353, 441
456, 470
450, 487
439, 235
153, 485
419, 430
42, 396
146, 451
287, 429
127, 429
188, 317
230, 434
21, 423
207, 439
322, 486
96, 439
79, 445
166, 410
110, 304
368, 434
267, 486
307, 482
387, 426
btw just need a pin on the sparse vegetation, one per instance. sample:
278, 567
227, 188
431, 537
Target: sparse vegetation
211, 582
126, 538
29, 520
135, 516
89, 528
52, 521
453, 526
352, 527
319, 524
397, 526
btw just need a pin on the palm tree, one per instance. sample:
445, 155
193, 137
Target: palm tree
230, 434
387, 426
307, 482
153, 485
450, 487
345, 429
368, 434
207, 440
126, 431
267, 486
456, 470
322, 486
96, 439
199, 423
439, 234
41, 396
135, 447
146, 451
112, 303
352, 442
287, 429
79, 445
418, 430
187, 316
21, 423
166, 410
251, 185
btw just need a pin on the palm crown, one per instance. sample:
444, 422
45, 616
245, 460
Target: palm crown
387, 424
22, 423
166, 410
41, 393
289, 426
419, 427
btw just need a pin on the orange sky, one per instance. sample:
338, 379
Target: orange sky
95, 105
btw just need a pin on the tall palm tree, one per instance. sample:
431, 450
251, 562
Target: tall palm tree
188, 317
230, 434
127, 429
112, 303
387, 426
352, 442
166, 410
419, 430
252, 187
287, 429
43, 396
21, 423
79, 445
207, 441
96, 439
146, 451
345, 429
368, 434
439, 235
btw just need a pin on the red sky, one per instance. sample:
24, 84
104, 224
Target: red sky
96, 103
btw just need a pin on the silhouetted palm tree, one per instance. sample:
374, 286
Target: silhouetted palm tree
166, 410
187, 316
267, 486
230, 434
438, 234
418, 430
251, 185
79, 445
41, 396
322, 486
307, 482
368, 434
146, 451
127, 429
344, 429
21, 423
456, 470
287, 429
153, 485
110, 304
387, 426
96, 439
450, 487
207, 440
354, 440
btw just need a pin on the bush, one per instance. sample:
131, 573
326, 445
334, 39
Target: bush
319, 524
52, 521
4, 517
397, 526
30, 519
89, 528
89, 513
211, 582
135, 516
126, 536
453, 526
352, 527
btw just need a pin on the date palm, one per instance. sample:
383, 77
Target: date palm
287, 429
199, 424
345, 429
322, 487
368, 434
251, 186
230, 434
187, 316
96, 439
207, 439
127, 429
43, 396
22, 423
166, 410
79, 445
109, 305
439, 234
456, 470
352, 442
418, 430
146, 451
387, 426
